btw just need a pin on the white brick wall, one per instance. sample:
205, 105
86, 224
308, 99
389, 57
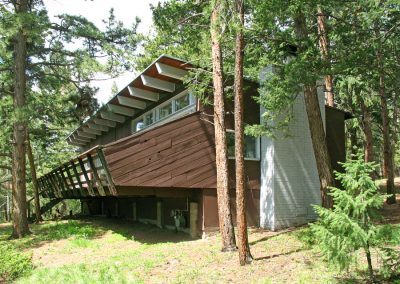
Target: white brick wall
289, 177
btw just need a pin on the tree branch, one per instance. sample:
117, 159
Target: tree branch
4, 167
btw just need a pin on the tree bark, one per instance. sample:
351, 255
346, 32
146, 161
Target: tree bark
367, 129
316, 126
243, 242
34, 181
324, 49
20, 221
388, 169
224, 208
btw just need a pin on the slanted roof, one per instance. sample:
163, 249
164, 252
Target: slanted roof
347, 115
158, 78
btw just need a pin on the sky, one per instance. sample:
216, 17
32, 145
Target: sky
97, 10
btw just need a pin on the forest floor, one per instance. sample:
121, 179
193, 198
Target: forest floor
100, 250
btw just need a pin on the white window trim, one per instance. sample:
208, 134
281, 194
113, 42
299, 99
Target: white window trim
156, 115
257, 158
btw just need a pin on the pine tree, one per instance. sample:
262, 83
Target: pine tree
349, 225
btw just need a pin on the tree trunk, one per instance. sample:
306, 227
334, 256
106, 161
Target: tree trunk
243, 242
369, 261
20, 221
388, 169
317, 131
224, 208
34, 181
324, 49
396, 129
367, 129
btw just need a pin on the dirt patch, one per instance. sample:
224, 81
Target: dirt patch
391, 213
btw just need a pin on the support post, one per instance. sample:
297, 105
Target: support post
159, 214
134, 214
193, 213
116, 208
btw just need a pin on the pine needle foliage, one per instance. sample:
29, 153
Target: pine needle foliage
350, 225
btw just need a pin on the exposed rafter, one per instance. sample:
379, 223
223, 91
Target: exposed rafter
131, 102
90, 130
75, 142
170, 71
112, 116
157, 83
100, 127
121, 110
84, 134
104, 122
143, 94
80, 144
79, 138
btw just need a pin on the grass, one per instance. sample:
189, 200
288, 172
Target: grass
115, 251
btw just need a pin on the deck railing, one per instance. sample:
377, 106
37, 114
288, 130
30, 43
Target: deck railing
85, 176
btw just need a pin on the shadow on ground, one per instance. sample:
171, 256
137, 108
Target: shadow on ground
143, 233
90, 228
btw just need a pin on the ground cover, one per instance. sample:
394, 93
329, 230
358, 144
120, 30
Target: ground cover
101, 250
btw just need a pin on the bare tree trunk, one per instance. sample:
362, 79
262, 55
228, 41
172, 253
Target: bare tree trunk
224, 208
34, 181
20, 221
317, 131
388, 169
396, 129
243, 242
324, 48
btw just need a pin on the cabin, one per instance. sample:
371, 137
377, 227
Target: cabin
148, 155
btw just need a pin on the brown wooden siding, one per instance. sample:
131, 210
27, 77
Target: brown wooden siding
180, 154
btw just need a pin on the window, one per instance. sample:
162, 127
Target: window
182, 102
251, 145
139, 125
164, 111
149, 119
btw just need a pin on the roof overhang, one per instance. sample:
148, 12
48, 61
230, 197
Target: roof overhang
160, 77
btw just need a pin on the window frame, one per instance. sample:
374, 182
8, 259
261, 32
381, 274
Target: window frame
257, 140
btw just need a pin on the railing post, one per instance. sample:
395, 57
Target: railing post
110, 181
71, 181
96, 176
88, 182
78, 178
62, 181
54, 180
50, 188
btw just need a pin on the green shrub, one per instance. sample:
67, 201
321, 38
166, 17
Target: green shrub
13, 263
